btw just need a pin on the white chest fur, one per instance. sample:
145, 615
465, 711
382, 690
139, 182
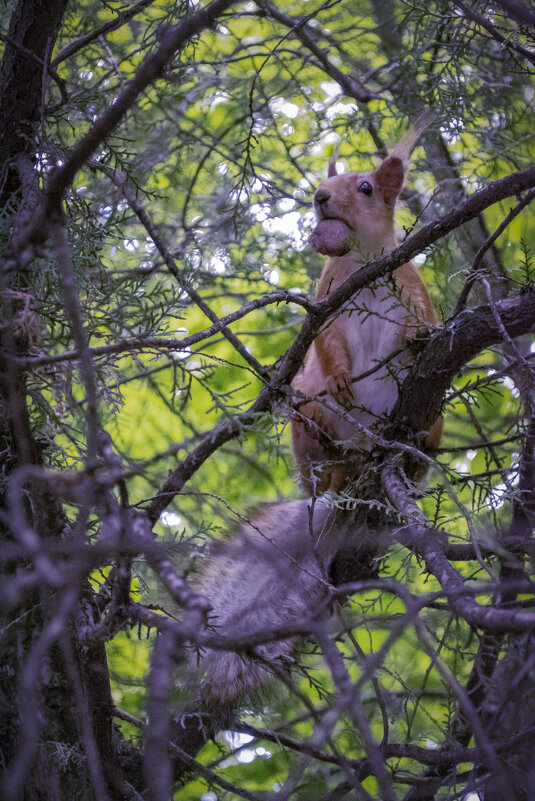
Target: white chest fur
372, 327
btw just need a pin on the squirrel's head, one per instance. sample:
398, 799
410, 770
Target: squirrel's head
355, 212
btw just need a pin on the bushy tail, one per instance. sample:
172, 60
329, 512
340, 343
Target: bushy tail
272, 573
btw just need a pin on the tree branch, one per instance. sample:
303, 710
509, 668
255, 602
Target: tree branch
479, 19
450, 580
107, 27
150, 69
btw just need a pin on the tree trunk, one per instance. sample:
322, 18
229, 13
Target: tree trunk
42, 681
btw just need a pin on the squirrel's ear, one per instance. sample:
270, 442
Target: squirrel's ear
391, 174
389, 178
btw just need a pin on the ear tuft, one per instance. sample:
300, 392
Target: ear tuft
389, 178
332, 163
332, 167
404, 147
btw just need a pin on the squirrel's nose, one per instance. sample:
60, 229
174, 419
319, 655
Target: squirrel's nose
322, 196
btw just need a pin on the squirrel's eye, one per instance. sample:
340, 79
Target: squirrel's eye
366, 188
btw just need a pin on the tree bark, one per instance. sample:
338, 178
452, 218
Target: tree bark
39, 740
33, 30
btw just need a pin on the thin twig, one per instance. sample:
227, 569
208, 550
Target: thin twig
476, 264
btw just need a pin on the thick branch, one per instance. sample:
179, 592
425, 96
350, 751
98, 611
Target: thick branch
447, 351
430, 233
518, 11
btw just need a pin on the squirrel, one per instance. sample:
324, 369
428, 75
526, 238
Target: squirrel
355, 223
275, 570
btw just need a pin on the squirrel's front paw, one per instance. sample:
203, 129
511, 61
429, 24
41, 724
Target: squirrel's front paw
315, 415
339, 388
